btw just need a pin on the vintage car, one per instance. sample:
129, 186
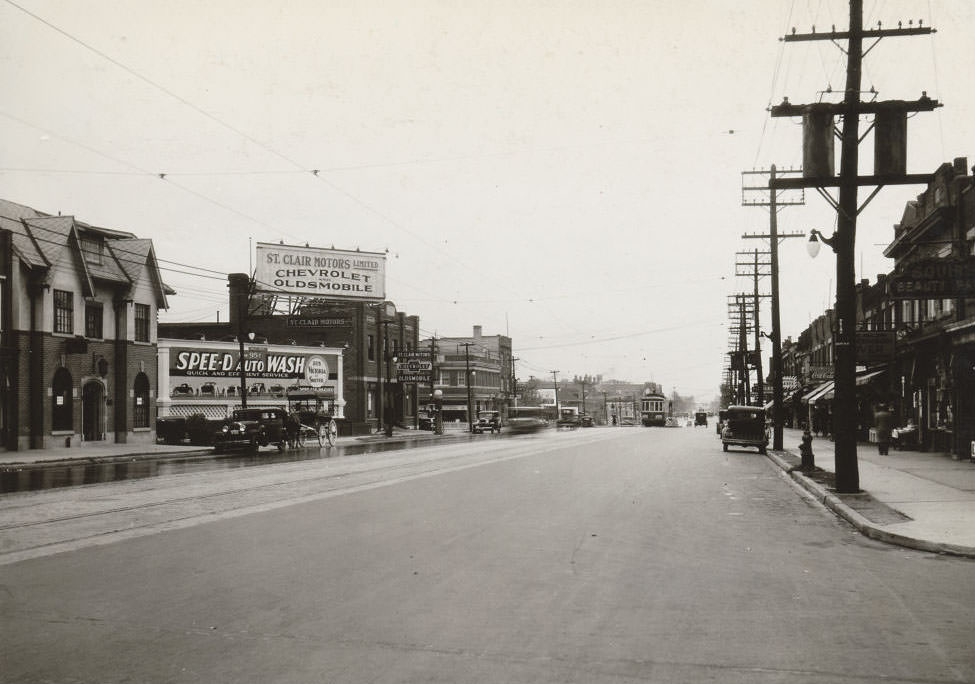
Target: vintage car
701, 418
251, 428
745, 426
208, 388
569, 418
585, 420
171, 429
487, 421
425, 420
719, 426
525, 424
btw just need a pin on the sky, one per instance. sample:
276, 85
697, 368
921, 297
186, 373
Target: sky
565, 173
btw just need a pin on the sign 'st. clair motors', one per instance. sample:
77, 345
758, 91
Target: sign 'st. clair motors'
318, 272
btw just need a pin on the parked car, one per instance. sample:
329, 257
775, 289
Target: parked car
208, 388
251, 428
171, 429
585, 420
425, 420
487, 421
745, 426
722, 417
276, 391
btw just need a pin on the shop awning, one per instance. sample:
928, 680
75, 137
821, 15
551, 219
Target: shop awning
861, 380
811, 397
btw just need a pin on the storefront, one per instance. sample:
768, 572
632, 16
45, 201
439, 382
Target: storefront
206, 377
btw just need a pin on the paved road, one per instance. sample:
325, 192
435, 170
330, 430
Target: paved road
624, 555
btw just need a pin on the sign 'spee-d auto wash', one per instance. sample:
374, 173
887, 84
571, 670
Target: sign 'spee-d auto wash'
318, 272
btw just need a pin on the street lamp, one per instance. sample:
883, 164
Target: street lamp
438, 417
813, 246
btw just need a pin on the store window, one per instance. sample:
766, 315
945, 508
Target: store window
94, 313
371, 348
61, 403
63, 311
140, 401
141, 322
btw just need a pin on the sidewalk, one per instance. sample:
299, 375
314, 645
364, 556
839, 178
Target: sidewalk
115, 452
921, 500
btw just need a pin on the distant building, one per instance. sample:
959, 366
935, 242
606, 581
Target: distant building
78, 307
478, 368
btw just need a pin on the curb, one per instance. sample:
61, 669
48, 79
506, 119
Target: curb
867, 528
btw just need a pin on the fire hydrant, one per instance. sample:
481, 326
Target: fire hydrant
806, 452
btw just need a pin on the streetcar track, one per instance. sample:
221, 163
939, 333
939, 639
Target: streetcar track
386, 468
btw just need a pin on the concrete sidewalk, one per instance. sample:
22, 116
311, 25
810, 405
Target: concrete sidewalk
115, 452
920, 500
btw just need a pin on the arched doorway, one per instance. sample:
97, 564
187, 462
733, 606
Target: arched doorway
92, 411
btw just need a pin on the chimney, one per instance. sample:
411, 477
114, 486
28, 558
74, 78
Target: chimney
239, 286
961, 166
477, 332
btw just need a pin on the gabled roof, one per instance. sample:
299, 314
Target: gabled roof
42, 241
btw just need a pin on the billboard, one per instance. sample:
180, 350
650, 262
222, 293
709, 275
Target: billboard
318, 272
213, 372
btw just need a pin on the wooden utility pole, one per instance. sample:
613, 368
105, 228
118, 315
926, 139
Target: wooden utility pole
555, 376
774, 237
756, 271
467, 381
843, 241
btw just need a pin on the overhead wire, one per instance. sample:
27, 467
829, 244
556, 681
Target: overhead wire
315, 173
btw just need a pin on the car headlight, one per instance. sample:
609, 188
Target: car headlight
225, 428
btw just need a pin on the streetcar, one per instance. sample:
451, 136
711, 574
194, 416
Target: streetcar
652, 409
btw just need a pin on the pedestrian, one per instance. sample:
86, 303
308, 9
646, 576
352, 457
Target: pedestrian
882, 423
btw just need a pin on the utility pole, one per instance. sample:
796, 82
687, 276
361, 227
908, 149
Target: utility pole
555, 375
583, 383
467, 381
889, 168
774, 237
514, 382
241, 284
433, 364
756, 271
745, 393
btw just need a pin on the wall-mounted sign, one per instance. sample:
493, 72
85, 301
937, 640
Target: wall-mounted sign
319, 322
874, 346
324, 273
820, 373
934, 279
215, 372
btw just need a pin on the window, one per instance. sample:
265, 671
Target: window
91, 248
93, 320
140, 407
63, 312
141, 322
61, 401
372, 348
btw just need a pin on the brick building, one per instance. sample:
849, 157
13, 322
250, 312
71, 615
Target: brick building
78, 307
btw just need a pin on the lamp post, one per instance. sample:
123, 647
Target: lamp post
438, 417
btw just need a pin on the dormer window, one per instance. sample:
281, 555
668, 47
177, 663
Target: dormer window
92, 248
